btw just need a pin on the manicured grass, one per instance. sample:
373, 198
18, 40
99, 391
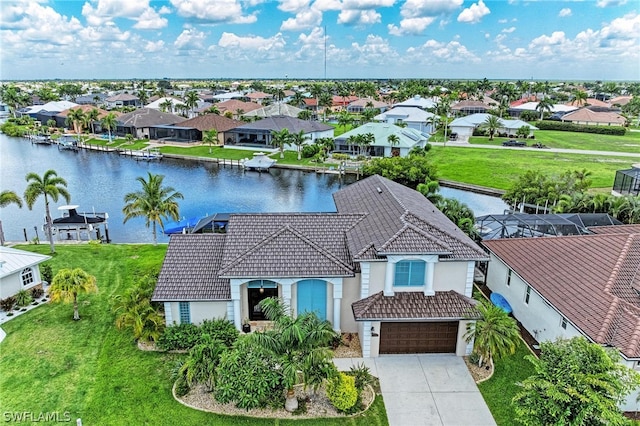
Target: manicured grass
93, 370
500, 389
499, 168
630, 142
203, 151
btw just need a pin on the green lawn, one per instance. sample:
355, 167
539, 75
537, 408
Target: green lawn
203, 151
499, 168
630, 142
94, 371
500, 389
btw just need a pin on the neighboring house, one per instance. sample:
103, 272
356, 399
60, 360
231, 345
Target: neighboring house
360, 105
278, 108
122, 100
237, 107
516, 109
469, 107
91, 99
221, 97
138, 122
592, 118
414, 117
388, 265
192, 130
19, 270
46, 112
464, 126
158, 104
418, 102
61, 117
381, 147
259, 97
586, 285
339, 103
627, 182
258, 133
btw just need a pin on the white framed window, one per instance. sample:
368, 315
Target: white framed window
509, 277
563, 323
527, 295
185, 313
410, 273
26, 276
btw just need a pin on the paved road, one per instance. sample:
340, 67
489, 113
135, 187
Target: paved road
560, 150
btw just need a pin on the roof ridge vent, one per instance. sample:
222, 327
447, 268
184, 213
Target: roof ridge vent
379, 190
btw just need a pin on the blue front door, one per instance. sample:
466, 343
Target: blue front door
312, 297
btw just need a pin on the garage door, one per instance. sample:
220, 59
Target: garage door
418, 337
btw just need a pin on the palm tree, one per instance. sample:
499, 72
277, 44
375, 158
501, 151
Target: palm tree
496, 334
545, 104
109, 122
393, 140
368, 114
298, 139
134, 310
191, 100
6, 198
93, 115
200, 366
166, 105
76, 118
143, 96
214, 109
50, 185
344, 119
305, 114
280, 139
210, 136
300, 344
491, 124
154, 202
579, 97
325, 101
68, 283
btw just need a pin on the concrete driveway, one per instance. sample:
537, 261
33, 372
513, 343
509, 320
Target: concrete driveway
426, 390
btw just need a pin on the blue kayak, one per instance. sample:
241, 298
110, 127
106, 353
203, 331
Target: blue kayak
499, 300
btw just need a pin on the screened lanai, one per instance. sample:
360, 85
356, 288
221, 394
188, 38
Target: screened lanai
627, 182
522, 225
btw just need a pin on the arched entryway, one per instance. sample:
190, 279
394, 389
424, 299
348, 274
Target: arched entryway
258, 290
312, 297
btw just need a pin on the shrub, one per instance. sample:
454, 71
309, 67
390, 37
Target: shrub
182, 386
361, 375
342, 392
342, 157
23, 298
474, 358
310, 150
37, 292
220, 329
181, 336
46, 272
570, 127
8, 303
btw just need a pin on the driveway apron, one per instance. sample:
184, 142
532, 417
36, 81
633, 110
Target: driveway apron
433, 390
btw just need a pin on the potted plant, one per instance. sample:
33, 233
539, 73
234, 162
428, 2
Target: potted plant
246, 326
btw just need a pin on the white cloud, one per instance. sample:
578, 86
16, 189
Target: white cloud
311, 45
564, 12
508, 30
293, 6
410, 26
150, 20
452, 51
190, 39
359, 17
214, 11
607, 3
100, 12
303, 20
374, 51
366, 4
474, 13
419, 8
230, 40
154, 46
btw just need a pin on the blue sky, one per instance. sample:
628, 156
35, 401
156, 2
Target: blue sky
504, 39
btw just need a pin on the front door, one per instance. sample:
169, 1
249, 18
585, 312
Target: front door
312, 297
259, 290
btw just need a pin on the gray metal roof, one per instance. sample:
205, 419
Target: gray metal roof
279, 122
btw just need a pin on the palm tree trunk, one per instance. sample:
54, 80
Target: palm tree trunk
49, 224
76, 315
155, 235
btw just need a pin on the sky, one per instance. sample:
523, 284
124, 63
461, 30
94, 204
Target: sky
317, 39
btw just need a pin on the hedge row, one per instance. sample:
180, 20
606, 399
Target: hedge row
570, 127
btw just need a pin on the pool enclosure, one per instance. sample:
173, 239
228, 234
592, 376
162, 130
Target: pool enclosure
627, 182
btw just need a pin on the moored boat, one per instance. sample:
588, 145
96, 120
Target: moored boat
259, 162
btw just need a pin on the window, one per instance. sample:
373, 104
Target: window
527, 295
185, 313
563, 323
27, 276
509, 278
410, 273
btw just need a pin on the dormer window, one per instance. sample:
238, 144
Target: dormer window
410, 273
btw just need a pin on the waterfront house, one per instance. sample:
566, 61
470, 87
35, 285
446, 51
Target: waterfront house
258, 134
387, 265
138, 122
407, 139
469, 107
19, 270
236, 107
414, 118
61, 117
122, 100
586, 285
192, 130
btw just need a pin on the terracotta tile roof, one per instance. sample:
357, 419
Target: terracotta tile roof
122, 97
586, 115
593, 280
279, 122
258, 95
390, 210
234, 105
190, 269
211, 121
616, 229
288, 244
147, 117
412, 305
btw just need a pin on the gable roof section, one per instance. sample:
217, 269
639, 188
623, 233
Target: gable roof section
388, 207
122, 97
14, 260
211, 121
279, 122
147, 117
234, 105
585, 114
275, 109
414, 305
590, 279
408, 114
288, 244
408, 137
190, 269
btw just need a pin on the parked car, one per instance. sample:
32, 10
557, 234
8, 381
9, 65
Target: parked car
514, 142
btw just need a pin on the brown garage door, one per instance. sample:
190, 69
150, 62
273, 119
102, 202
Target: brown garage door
418, 337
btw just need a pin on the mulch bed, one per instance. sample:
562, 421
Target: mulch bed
478, 373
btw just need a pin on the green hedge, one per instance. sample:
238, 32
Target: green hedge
570, 127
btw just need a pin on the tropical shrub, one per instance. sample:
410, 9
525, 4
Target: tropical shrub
570, 127
135, 310
182, 386
37, 292
341, 157
220, 329
248, 376
474, 358
310, 150
362, 376
408, 171
23, 298
46, 272
8, 303
342, 392
200, 365
177, 337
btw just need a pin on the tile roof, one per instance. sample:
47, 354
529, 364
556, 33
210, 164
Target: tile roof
122, 97
407, 137
190, 269
279, 122
408, 114
86, 108
275, 109
394, 215
616, 229
288, 244
147, 117
211, 121
593, 280
585, 114
234, 105
413, 305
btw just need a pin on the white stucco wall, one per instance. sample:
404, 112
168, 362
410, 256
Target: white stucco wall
208, 310
350, 294
12, 284
450, 276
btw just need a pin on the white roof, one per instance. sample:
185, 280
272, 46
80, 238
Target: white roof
227, 96
408, 114
156, 104
54, 106
408, 137
14, 260
475, 120
531, 106
417, 101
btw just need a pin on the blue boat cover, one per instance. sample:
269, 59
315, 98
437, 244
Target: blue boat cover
499, 300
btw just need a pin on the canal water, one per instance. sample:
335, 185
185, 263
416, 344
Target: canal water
98, 181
